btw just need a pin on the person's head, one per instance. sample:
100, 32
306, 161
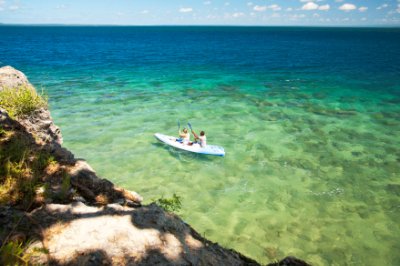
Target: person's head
185, 130
202, 133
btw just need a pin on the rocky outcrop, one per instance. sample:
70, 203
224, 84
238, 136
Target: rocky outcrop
39, 123
12, 78
289, 261
95, 189
88, 220
118, 235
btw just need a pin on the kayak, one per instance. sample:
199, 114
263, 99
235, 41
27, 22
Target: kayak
196, 148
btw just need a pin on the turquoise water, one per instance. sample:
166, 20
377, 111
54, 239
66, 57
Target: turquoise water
311, 170
312, 165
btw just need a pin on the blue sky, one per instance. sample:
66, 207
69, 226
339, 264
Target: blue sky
202, 12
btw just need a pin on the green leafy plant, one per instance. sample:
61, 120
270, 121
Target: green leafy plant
44, 159
170, 204
22, 100
2, 131
21, 169
12, 253
41, 250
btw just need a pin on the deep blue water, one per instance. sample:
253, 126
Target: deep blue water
361, 54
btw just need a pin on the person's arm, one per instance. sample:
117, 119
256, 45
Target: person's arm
195, 135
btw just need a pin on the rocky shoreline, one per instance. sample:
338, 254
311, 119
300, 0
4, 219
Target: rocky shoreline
78, 218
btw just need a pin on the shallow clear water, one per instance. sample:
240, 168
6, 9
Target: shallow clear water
309, 119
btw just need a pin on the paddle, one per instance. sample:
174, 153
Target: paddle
190, 126
179, 125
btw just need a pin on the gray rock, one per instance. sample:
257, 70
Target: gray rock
39, 122
12, 78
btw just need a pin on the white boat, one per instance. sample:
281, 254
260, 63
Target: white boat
196, 148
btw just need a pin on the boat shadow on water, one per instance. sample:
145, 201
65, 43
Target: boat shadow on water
186, 156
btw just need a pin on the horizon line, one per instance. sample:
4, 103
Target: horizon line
195, 25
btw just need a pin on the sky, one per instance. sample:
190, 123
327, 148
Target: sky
203, 12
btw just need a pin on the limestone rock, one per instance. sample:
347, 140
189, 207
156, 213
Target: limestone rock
118, 235
40, 122
12, 78
95, 189
289, 261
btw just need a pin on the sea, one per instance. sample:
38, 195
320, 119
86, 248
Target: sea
309, 118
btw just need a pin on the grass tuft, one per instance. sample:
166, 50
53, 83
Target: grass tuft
170, 204
13, 253
22, 100
22, 168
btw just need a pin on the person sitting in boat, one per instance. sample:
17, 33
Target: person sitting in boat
202, 139
184, 136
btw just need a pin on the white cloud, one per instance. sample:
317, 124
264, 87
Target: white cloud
207, 2
274, 7
238, 14
14, 7
347, 7
310, 6
296, 16
363, 19
305, 1
144, 12
289, 9
314, 6
61, 7
259, 8
227, 3
382, 6
185, 9
339, 1
316, 15
324, 7
250, 3
363, 9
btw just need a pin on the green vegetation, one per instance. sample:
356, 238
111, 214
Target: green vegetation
17, 253
21, 101
2, 131
22, 168
44, 159
170, 204
13, 253
25, 168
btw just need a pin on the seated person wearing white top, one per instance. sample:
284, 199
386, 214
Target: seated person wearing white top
202, 139
184, 136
